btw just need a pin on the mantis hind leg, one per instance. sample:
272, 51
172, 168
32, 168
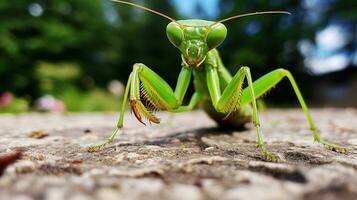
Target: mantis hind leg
267, 82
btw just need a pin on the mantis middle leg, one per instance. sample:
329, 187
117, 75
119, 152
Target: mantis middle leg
267, 82
229, 101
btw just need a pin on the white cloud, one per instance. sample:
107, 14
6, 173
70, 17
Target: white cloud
319, 65
331, 38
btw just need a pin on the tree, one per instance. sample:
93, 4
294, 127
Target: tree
51, 31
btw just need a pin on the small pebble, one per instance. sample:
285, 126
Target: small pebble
87, 130
38, 134
210, 149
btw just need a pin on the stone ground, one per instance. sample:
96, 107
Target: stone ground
184, 159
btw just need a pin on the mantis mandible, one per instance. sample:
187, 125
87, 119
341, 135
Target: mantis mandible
223, 97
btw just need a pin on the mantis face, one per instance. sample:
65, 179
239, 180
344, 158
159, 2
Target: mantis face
195, 38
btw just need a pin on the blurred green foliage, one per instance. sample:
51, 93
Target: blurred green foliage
67, 31
56, 77
72, 48
17, 105
60, 80
93, 100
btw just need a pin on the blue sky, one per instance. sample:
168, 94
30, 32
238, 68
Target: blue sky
187, 7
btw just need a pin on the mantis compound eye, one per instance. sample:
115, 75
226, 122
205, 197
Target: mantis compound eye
216, 35
174, 33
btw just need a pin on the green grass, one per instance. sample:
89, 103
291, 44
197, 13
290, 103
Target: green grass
93, 100
18, 105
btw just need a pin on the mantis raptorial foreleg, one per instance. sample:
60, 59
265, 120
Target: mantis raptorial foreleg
148, 92
267, 82
229, 101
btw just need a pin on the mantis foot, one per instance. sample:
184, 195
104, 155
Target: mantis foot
269, 156
99, 147
333, 147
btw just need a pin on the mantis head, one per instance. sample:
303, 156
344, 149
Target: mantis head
195, 38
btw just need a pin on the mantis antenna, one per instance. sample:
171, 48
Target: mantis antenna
147, 9
249, 14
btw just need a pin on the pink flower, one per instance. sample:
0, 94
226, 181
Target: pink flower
6, 98
50, 104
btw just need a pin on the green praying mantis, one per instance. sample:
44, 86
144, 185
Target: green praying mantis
222, 95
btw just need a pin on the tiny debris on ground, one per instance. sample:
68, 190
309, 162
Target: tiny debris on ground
39, 134
182, 158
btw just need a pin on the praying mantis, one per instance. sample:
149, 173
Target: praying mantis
222, 95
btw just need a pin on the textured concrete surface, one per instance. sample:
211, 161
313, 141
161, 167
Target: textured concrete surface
186, 158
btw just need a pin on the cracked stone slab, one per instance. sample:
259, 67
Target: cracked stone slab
185, 157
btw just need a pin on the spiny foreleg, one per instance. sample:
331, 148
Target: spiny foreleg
148, 92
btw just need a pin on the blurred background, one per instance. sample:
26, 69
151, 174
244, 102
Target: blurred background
75, 55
